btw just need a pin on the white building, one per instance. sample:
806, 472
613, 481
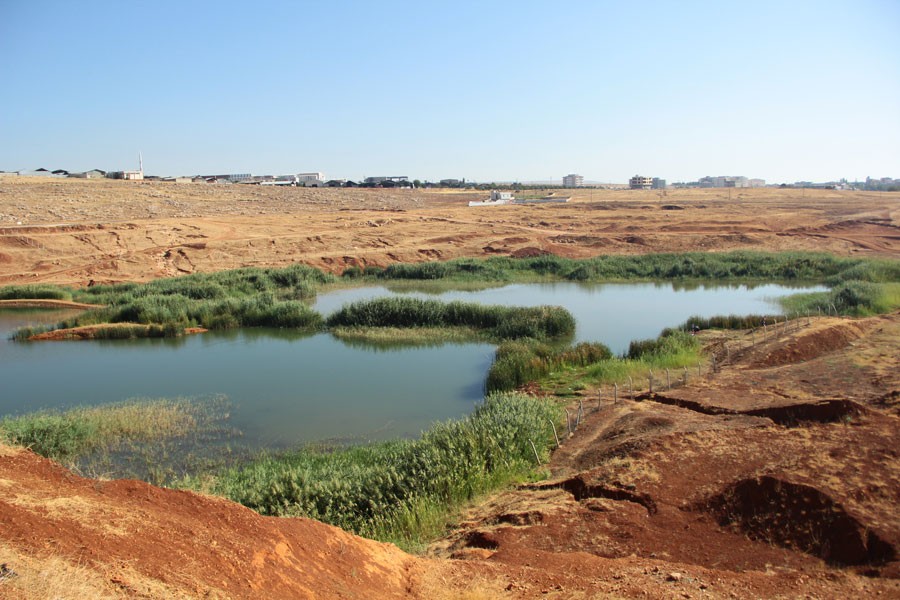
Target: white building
639, 182
311, 179
724, 181
572, 180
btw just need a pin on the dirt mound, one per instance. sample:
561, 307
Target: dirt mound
201, 546
528, 252
811, 344
787, 413
800, 516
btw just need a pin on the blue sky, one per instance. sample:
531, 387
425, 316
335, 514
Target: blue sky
523, 90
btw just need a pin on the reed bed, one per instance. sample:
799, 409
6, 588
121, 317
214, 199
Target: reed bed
35, 292
157, 440
71, 434
858, 298
401, 491
517, 364
240, 298
741, 265
494, 322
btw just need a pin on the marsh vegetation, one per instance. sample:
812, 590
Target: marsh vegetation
401, 490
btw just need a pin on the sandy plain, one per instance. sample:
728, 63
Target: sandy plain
76, 231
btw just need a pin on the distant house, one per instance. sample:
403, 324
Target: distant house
42, 172
128, 175
92, 174
724, 181
394, 179
335, 183
316, 179
638, 182
573, 180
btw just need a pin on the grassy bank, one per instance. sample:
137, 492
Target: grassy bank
446, 318
854, 298
725, 266
586, 365
249, 297
132, 438
401, 491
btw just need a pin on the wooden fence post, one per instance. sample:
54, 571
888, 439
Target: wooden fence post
555, 435
536, 457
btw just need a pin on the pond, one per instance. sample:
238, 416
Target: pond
286, 388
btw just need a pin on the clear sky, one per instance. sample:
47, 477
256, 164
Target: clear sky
491, 90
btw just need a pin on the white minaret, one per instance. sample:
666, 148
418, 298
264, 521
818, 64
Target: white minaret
141, 163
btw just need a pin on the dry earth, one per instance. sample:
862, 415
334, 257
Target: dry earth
74, 231
776, 475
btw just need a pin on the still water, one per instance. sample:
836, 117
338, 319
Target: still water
287, 389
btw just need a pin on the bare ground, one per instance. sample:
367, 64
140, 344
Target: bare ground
73, 232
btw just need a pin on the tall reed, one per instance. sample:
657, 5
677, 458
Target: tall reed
392, 491
497, 322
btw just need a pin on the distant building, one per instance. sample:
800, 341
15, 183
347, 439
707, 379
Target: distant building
755, 183
129, 175
311, 179
658, 184
42, 172
724, 181
639, 182
381, 179
92, 174
572, 180
452, 182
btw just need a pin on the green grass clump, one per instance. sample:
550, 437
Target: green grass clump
725, 322
725, 266
72, 434
517, 363
401, 491
35, 292
854, 298
250, 297
495, 322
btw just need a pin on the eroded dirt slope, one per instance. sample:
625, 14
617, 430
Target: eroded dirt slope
775, 475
